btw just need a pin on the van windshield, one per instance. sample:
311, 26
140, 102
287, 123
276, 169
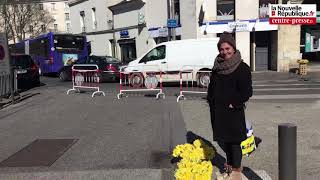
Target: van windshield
155, 54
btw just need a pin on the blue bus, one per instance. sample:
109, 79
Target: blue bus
53, 51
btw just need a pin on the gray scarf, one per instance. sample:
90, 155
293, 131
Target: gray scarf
222, 66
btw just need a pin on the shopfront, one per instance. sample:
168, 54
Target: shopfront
127, 47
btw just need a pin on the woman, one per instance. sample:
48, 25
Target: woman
230, 87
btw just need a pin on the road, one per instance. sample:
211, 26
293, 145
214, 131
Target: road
136, 132
131, 133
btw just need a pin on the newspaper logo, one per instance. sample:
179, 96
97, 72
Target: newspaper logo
293, 14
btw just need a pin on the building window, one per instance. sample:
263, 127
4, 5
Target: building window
225, 9
82, 14
94, 19
53, 6
66, 6
54, 18
68, 27
264, 7
18, 29
55, 27
31, 29
177, 11
82, 25
67, 16
41, 7
43, 28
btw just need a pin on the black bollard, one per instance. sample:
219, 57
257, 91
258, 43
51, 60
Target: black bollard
287, 143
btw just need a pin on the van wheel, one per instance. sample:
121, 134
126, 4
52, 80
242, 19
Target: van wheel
136, 80
204, 79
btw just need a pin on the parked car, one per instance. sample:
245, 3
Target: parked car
27, 71
108, 68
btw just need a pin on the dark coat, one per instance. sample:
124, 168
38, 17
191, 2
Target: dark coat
228, 124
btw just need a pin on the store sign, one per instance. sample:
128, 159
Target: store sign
293, 14
239, 26
4, 58
124, 34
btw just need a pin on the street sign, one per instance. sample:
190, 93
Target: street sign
172, 23
124, 34
163, 32
4, 58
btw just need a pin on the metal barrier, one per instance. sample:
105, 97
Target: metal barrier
85, 76
5, 84
141, 79
198, 76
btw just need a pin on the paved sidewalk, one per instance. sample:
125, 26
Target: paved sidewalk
133, 133
265, 117
273, 76
111, 174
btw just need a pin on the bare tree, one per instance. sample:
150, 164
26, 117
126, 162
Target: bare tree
24, 19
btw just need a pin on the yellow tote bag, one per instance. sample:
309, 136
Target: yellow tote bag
248, 145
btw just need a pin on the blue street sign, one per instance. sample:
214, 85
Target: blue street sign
172, 23
124, 34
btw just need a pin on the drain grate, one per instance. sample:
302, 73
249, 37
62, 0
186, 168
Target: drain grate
41, 152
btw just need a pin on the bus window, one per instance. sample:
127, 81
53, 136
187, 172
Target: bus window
39, 47
17, 48
69, 42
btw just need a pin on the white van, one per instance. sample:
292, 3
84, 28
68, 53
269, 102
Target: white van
175, 56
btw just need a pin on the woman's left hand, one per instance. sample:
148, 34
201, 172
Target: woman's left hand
230, 106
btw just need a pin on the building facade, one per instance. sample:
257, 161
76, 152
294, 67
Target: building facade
127, 29
59, 9
118, 28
